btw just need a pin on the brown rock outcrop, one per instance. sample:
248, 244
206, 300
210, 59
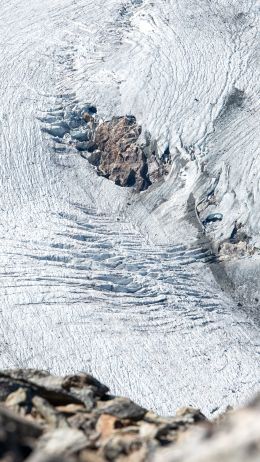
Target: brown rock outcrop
118, 155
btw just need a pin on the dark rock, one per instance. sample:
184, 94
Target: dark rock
82, 380
86, 395
124, 445
85, 422
7, 386
56, 390
90, 109
85, 146
189, 415
21, 427
60, 442
17, 436
122, 160
49, 413
94, 158
40, 383
123, 408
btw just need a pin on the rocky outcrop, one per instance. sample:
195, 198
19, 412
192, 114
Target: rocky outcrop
74, 418
118, 154
44, 417
117, 148
121, 159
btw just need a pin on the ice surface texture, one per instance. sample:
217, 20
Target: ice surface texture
93, 277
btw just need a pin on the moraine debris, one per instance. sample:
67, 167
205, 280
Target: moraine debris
45, 418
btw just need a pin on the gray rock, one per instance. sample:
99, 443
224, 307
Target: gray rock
21, 427
82, 380
123, 408
106, 428
234, 439
7, 386
81, 388
49, 413
58, 443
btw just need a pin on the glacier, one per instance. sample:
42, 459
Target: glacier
95, 277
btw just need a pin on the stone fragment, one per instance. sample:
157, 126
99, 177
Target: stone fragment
189, 415
17, 397
90, 455
106, 425
148, 430
8, 386
49, 413
56, 390
17, 436
19, 401
70, 409
61, 442
116, 429
22, 427
123, 408
236, 438
82, 380
41, 379
86, 396
123, 445
86, 423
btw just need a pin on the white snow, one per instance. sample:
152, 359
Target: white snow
94, 277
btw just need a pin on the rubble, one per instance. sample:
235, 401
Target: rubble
46, 418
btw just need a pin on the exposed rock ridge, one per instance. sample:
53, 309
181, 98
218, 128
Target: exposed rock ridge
74, 418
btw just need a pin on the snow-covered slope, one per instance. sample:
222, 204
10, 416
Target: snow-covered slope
93, 276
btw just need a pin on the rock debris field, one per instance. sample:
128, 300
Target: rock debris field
129, 207
74, 418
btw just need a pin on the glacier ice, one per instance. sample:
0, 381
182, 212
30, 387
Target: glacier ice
95, 277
